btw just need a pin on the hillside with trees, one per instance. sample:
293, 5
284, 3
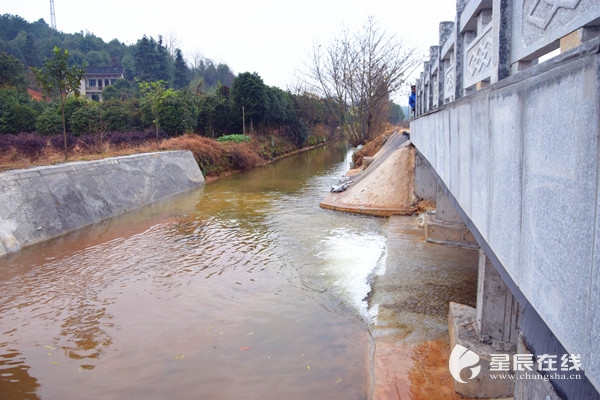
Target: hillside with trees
162, 96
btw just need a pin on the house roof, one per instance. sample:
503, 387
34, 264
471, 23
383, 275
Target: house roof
104, 70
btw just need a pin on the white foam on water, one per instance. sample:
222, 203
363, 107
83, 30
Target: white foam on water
350, 262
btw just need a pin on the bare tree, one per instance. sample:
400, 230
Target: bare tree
197, 60
357, 72
171, 42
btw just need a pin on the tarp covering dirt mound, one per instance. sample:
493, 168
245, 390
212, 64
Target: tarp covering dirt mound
385, 187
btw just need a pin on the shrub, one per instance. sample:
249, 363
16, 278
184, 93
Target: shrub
243, 157
88, 142
16, 115
24, 118
8, 98
29, 145
210, 156
178, 112
6, 142
48, 123
115, 116
73, 104
58, 142
131, 138
117, 138
84, 120
234, 138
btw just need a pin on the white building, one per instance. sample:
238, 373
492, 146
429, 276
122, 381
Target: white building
97, 78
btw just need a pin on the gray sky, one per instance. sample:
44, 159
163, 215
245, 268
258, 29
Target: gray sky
272, 38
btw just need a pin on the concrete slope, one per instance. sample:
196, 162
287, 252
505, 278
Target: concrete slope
40, 203
385, 187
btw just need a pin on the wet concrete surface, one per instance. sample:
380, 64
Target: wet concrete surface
410, 335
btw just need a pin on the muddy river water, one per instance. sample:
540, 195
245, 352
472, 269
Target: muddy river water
241, 289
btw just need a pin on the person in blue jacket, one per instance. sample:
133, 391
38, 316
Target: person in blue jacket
412, 100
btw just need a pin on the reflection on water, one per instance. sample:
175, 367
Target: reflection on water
244, 288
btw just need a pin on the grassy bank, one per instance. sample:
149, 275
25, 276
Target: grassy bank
215, 158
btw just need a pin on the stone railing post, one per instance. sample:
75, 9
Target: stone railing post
445, 30
459, 51
434, 68
502, 28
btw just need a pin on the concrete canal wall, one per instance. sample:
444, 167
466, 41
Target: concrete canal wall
40, 203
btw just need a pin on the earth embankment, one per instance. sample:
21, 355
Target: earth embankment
385, 187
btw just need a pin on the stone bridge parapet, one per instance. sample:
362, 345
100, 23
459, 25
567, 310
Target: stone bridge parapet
493, 39
513, 138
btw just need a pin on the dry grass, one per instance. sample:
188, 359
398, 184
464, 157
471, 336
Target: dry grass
214, 158
10, 160
209, 154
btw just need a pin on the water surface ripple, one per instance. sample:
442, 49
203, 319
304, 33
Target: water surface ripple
244, 288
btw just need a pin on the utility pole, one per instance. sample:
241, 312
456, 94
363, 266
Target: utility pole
52, 15
243, 121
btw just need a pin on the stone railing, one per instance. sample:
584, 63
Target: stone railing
493, 39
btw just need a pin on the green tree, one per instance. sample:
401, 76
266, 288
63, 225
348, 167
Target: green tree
30, 52
121, 90
396, 114
153, 94
152, 60
210, 74
117, 51
16, 114
224, 75
59, 80
11, 25
178, 111
163, 61
98, 58
128, 63
214, 113
18, 44
280, 108
144, 62
249, 97
181, 71
12, 73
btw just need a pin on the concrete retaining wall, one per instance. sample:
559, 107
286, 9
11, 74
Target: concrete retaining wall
40, 203
521, 159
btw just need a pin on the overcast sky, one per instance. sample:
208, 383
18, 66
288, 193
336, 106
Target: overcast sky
271, 37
